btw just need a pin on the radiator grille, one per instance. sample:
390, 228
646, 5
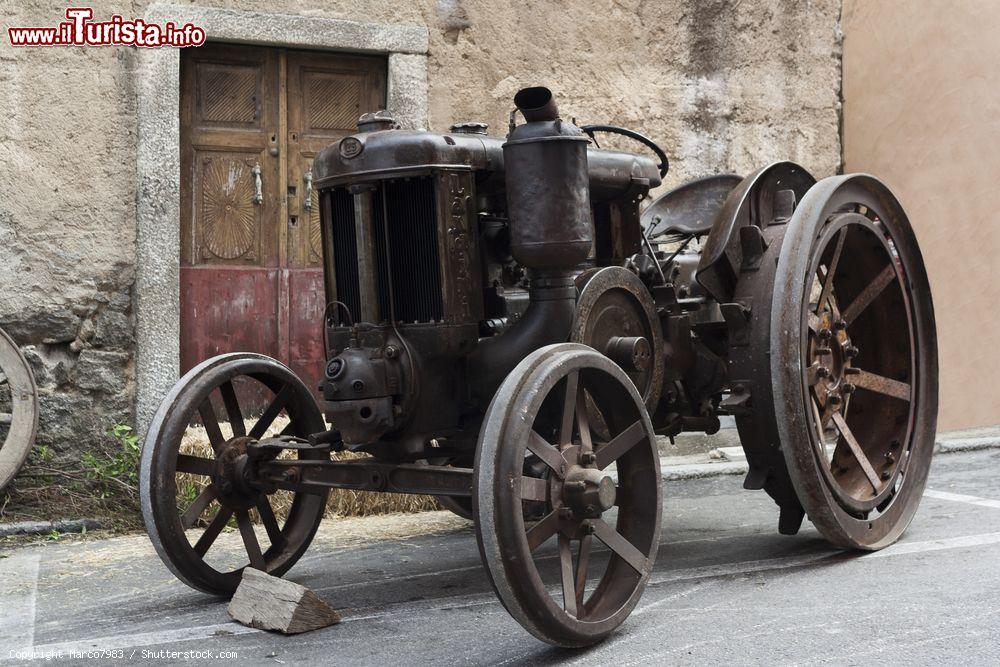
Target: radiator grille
405, 250
345, 251
413, 251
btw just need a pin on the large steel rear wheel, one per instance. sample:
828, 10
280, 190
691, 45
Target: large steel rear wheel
537, 448
195, 502
853, 365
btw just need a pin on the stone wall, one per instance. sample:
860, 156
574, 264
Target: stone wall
724, 86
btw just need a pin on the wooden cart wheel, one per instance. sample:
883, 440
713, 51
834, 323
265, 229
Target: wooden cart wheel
185, 525
853, 364
536, 447
18, 409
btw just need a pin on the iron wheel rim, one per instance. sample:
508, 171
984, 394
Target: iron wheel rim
165, 523
21, 423
507, 544
842, 517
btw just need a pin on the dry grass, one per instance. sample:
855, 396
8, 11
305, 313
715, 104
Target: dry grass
342, 502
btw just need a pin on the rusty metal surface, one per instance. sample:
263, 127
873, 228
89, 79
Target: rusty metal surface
541, 412
183, 530
614, 306
18, 409
760, 200
688, 209
853, 401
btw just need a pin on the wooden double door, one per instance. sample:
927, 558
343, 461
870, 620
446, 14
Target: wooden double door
252, 119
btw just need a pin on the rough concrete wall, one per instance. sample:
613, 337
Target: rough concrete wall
67, 132
922, 112
723, 85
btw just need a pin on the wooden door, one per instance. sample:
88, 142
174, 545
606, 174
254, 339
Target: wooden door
326, 94
252, 119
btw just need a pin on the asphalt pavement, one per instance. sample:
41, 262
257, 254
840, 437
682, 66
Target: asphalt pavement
727, 588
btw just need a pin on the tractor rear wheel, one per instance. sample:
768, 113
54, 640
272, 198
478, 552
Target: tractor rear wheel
843, 342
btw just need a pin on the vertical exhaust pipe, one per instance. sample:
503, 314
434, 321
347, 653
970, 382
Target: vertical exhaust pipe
551, 232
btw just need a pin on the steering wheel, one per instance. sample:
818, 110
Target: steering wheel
664, 165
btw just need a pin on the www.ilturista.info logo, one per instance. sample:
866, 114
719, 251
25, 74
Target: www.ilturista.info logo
80, 30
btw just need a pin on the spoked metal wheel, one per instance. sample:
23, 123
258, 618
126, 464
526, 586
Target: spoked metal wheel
854, 362
194, 496
18, 409
537, 447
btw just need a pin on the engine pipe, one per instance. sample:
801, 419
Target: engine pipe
551, 232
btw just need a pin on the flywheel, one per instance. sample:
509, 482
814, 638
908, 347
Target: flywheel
616, 316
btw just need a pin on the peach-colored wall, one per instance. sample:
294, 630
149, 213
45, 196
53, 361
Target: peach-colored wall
922, 112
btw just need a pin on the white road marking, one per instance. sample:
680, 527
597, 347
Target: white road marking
962, 498
902, 548
18, 592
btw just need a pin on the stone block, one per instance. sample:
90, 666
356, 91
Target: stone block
101, 371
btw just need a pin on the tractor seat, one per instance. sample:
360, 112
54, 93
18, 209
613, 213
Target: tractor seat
689, 209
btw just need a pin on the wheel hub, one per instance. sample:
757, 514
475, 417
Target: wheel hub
234, 490
832, 352
588, 492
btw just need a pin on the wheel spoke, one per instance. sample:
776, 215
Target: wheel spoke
617, 543
583, 422
195, 465
270, 523
832, 268
569, 408
3, 378
211, 423
233, 409
250, 540
543, 530
534, 488
6, 418
566, 570
620, 444
868, 294
271, 412
546, 452
215, 527
582, 563
855, 448
882, 385
200, 504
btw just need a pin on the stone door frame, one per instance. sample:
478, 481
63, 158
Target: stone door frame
157, 284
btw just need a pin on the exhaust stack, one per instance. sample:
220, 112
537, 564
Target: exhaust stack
551, 232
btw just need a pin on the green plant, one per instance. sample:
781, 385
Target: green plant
121, 468
45, 454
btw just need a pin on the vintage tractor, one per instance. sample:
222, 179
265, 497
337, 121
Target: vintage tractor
509, 330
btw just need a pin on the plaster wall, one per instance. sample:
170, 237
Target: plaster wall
723, 85
922, 112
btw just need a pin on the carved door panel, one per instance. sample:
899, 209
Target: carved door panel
229, 201
252, 119
326, 94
